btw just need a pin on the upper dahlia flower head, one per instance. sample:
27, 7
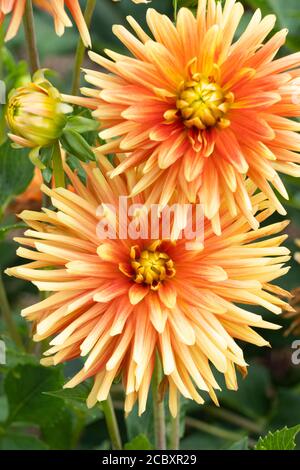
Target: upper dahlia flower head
199, 110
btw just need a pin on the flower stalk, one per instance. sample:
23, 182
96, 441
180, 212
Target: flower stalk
111, 423
58, 169
158, 409
88, 14
29, 28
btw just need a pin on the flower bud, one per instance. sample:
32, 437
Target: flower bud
36, 114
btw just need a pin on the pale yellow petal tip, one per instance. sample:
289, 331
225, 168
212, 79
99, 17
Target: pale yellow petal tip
47, 361
9, 272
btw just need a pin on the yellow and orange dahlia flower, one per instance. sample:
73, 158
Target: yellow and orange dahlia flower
201, 109
119, 302
54, 7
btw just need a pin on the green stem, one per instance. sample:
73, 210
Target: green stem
31, 38
213, 430
1, 51
2, 101
175, 430
235, 419
58, 169
175, 7
158, 409
7, 316
111, 423
88, 14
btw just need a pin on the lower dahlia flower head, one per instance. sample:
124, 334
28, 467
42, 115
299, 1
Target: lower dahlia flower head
119, 302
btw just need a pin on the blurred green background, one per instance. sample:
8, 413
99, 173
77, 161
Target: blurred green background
34, 412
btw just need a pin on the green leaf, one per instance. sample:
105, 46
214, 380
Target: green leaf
192, 4
76, 145
143, 424
14, 357
286, 409
139, 442
257, 384
204, 441
283, 439
58, 432
240, 445
81, 124
16, 172
75, 398
3, 408
12, 441
24, 386
78, 394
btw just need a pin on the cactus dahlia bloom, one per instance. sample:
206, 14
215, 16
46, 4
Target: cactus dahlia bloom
120, 301
201, 109
54, 7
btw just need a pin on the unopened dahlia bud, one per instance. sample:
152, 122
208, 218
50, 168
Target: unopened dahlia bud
36, 114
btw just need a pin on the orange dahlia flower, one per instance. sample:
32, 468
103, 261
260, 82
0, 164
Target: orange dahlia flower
54, 7
200, 109
118, 302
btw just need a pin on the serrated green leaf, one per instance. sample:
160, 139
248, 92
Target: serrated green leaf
75, 398
24, 386
283, 439
78, 394
139, 442
16, 172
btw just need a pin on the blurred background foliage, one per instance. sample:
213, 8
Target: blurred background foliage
35, 413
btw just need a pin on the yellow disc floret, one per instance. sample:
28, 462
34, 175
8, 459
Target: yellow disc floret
202, 103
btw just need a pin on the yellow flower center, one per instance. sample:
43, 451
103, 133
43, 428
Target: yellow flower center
203, 103
151, 266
